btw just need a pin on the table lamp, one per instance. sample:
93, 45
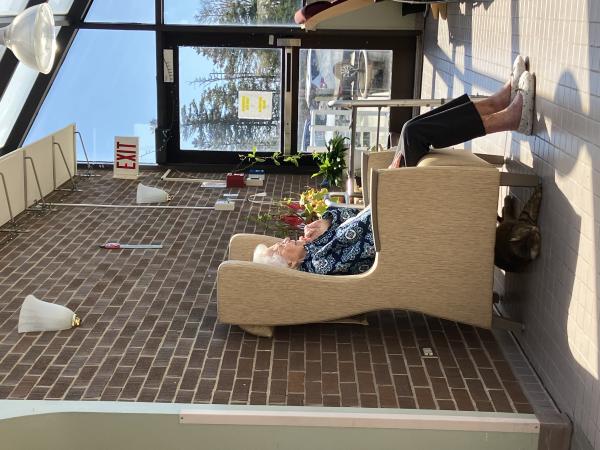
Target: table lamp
31, 37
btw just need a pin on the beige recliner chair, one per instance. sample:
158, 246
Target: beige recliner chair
434, 229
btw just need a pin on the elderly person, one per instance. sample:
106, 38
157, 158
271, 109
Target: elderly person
340, 243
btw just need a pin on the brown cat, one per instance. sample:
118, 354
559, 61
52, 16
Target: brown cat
518, 239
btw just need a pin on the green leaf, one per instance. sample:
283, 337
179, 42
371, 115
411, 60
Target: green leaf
259, 159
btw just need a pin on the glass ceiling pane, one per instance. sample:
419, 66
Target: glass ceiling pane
12, 7
14, 98
107, 87
60, 6
124, 11
231, 12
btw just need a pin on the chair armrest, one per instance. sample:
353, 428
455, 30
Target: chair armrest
336, 10
371, 161
241, 246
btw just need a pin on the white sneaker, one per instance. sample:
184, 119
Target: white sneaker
519, 66
527, 90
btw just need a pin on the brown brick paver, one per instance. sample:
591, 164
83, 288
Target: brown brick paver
150, 330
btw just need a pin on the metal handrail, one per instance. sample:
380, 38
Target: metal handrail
88, 172
71, 177
37, 182
387, 103
10, 213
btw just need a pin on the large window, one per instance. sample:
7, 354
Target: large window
12, 7
112, 11
231, 12
60, 6
14, 98
107, 87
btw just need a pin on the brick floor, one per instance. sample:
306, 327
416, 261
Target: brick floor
150, 333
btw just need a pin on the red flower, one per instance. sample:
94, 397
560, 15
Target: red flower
296, 206
293, 221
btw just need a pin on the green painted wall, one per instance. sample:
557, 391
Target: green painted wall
28, 425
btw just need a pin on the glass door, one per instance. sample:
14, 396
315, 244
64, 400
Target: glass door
270, 89
342, 74
229, 99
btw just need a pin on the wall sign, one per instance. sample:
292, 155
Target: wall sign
255, 105
127, 157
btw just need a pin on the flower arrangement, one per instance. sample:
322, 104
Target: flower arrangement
288, 217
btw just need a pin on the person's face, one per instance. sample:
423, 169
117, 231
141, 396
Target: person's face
291, 251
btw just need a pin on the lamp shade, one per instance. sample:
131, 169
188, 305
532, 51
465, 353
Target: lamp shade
37, 315
31, 37
148, 194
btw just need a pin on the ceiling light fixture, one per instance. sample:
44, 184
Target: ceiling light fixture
31, 37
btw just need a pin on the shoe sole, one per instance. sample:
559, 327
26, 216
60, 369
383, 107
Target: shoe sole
528, 130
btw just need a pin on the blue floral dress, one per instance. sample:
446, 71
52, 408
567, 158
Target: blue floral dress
346, 248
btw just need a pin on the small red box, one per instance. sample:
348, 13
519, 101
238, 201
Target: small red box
235, 180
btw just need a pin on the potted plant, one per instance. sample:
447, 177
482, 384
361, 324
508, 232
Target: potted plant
332, 163
248, 160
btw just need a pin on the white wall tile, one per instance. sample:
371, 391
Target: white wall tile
558, 298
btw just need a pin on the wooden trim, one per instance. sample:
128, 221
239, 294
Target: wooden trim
335, 11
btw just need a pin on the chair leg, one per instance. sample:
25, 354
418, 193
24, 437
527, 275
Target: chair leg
258, 330
507, 324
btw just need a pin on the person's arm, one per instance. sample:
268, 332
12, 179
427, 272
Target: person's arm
332, 218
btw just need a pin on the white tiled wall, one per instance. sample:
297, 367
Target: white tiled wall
557, 298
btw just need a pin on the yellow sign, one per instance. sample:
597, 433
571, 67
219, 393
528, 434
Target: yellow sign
255, 105
245, 103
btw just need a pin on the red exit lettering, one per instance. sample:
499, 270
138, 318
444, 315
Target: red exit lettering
125, 158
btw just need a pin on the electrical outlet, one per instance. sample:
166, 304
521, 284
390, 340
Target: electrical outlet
427, 352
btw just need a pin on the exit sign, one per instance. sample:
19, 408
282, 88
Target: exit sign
127, 157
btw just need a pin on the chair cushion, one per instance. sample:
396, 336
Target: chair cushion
451, 157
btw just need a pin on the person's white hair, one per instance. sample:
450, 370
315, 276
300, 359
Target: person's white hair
263, 256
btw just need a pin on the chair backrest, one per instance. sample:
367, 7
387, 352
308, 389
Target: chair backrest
372, 161
434, 230
435, 217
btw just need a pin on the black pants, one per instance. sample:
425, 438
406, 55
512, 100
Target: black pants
452, 123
